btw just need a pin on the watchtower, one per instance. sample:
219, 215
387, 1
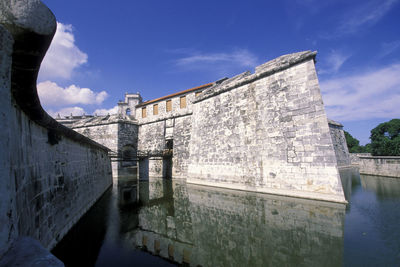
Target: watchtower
127, 107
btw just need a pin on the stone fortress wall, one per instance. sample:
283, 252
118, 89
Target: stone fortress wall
50, 175
265, 132
339, 144
159, 124
376, 165
117, 134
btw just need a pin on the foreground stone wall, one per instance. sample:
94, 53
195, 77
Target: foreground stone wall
8, 216
55, 184
266, 132
50, 175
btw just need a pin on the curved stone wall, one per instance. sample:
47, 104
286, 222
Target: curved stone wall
50, 175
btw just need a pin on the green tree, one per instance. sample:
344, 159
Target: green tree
368, 148
354, 145
385, 139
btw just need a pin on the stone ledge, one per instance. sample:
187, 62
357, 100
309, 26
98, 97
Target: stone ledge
272, 191
378, 157
101, 120
335, 123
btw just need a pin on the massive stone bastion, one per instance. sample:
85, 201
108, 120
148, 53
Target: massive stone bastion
265, 131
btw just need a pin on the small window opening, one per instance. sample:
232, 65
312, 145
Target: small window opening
183, 101
128, 112
169, 105
155, 109
144, 114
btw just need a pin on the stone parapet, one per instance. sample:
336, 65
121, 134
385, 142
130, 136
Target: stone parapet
269, 68
377, 165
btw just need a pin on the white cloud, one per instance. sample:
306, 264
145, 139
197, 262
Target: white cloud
334, 62
359, 17
103, 111
63, 55
388, 48
75, 111
312, 6
51, 94
367, 14
199, 60
372, 94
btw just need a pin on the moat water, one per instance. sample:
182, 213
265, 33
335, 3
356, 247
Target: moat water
165, 223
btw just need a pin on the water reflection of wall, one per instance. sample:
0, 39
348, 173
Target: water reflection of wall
127, 190
260, 230
382, 186
81, 246
350, 177
214, 227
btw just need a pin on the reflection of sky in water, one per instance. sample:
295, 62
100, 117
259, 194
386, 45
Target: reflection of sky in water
216, 227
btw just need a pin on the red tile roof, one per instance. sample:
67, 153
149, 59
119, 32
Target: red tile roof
176, 94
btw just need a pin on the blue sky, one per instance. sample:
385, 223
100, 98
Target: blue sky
103, 49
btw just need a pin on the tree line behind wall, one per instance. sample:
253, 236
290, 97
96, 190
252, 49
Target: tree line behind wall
385, 140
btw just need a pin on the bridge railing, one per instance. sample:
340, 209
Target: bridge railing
115, 156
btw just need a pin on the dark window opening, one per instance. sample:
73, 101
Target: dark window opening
169, 144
